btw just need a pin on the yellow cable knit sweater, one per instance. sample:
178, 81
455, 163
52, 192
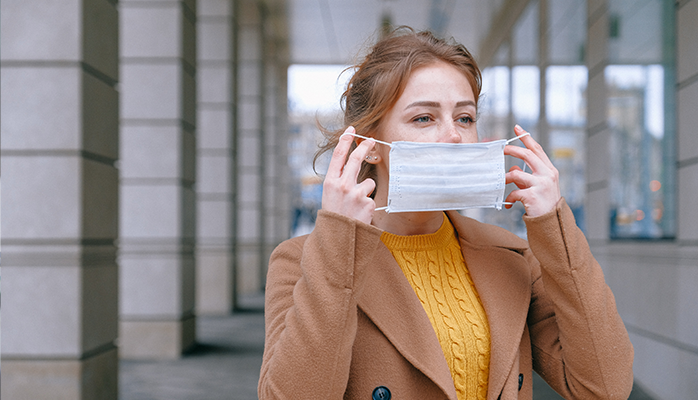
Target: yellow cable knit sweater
434, 266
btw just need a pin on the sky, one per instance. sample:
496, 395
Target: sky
316, 88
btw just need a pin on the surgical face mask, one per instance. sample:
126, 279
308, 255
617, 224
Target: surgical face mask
445, 176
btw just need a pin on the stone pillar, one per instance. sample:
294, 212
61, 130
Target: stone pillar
214, 190
60, 131
276, 188
250, 218
158, 207
598, 134
687, 139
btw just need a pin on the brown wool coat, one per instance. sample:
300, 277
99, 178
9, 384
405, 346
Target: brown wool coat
341, 318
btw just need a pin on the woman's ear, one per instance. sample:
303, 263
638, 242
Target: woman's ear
373, 157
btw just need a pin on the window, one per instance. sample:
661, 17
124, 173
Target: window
640, 87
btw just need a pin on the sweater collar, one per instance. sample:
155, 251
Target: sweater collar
437, 240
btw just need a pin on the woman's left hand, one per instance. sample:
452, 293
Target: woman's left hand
539, 191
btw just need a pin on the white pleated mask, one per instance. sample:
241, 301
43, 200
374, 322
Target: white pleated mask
445, 176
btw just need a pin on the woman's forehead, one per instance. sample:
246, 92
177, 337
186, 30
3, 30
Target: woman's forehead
437, 83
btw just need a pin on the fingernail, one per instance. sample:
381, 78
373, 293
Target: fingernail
518, 127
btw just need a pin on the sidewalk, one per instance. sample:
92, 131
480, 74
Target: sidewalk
225, 366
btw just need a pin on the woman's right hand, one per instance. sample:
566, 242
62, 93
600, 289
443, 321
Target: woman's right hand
340, 192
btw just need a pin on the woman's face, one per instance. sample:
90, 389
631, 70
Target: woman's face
437, 105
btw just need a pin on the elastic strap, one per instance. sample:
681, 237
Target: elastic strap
518, 137
364, 137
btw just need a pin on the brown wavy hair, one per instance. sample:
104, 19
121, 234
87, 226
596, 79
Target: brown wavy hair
380, 79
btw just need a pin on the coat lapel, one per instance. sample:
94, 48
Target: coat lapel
503, 281
390, 302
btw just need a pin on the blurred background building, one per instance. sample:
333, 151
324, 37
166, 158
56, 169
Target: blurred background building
154, 152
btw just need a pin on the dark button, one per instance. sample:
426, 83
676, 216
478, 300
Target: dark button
381, 393
520, 381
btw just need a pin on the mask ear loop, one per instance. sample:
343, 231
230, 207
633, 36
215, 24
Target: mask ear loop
366, 137
515, 138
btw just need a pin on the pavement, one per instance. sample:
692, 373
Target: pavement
225, 364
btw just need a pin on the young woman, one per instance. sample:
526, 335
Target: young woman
430, 304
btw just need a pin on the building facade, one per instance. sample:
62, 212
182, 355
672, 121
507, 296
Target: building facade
143, 146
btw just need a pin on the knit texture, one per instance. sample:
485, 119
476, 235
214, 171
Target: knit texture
434, 266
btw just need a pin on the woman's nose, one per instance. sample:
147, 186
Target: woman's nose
449, 134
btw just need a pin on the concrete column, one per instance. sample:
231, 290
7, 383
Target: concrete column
214, 190
687, 139
249, 147
158, 120
60, 131
276, 195
598, 134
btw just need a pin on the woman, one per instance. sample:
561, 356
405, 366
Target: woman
433, 305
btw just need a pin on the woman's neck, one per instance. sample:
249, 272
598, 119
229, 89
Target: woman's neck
409, 223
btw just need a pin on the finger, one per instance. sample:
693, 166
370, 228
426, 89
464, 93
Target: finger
513, 197
334, 170
367, 186
521, 179
532, 145
356, 159
528, 156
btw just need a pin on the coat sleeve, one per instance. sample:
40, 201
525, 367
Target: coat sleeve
310, 309
579, 343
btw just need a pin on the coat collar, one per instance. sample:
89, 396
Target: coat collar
502, 279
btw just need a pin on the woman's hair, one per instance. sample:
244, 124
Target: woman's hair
380, 79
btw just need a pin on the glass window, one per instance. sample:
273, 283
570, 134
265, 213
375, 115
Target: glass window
506, 101
494, 104
566, 118
526, 96
639, 194
640, 86
313, 95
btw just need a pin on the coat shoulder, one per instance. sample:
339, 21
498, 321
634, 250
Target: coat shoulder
292, 244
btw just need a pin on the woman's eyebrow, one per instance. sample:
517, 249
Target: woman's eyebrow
436, 104
424, 103
466, 103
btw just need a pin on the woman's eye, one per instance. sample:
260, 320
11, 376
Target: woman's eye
466, 120
423, 118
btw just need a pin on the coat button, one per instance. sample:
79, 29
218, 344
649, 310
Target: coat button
520, 381
381, 393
